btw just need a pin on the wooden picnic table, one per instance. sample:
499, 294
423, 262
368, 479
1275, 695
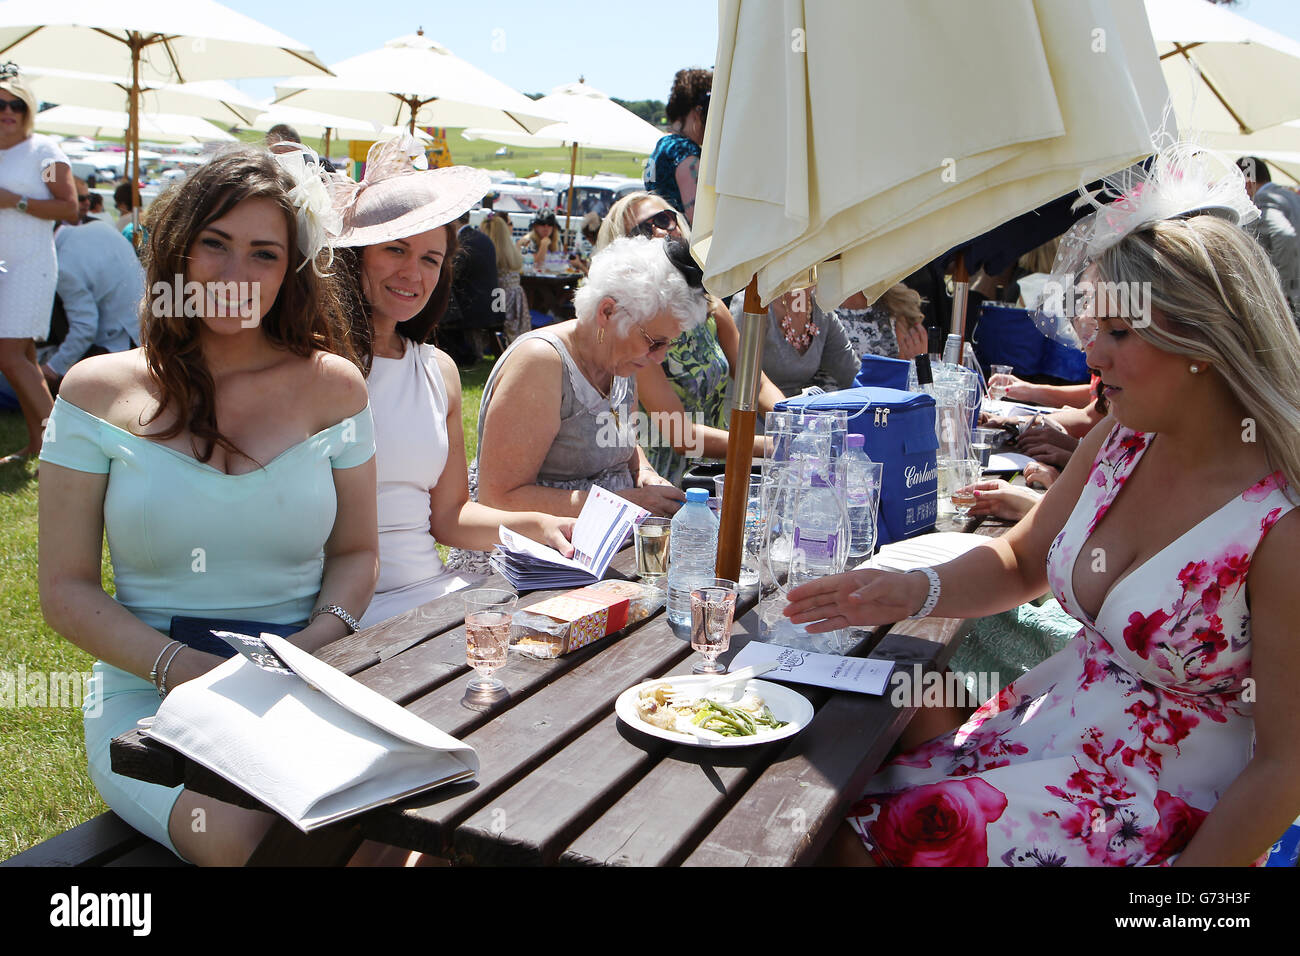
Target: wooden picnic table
561, 780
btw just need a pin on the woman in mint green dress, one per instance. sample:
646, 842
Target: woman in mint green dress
230, 460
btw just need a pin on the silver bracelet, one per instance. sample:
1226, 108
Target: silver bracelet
338, 612
162, 684
153, 671
931, 598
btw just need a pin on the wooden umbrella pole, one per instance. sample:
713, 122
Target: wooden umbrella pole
327, 143
568, 216
960, 288
133, 138
740, 437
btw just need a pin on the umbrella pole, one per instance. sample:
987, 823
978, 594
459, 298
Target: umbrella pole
133, 138
568, 220
960, 287
740, 437
327, 143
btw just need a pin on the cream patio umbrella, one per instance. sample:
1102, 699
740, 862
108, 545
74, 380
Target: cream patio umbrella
214, 100
871, 153
147, 41
1226, 74
415, 81
154, 127
591, 121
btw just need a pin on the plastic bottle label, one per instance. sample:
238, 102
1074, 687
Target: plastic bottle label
816, 545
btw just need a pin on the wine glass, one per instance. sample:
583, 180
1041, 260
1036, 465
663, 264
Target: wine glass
713, 605
487, 636
962, 476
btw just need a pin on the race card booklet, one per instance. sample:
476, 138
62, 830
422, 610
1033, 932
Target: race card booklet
863, 675
602, 526
305, 739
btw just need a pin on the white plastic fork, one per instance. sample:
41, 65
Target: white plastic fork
699, 691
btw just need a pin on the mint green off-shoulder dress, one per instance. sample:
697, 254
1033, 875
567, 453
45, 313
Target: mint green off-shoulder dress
188, 539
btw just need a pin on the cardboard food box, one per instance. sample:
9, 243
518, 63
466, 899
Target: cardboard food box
565, 623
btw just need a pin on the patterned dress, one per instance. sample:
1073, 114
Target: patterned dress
698, 371
1113, 751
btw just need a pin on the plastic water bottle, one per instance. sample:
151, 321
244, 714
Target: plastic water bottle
860, 496
818, 533
693, 550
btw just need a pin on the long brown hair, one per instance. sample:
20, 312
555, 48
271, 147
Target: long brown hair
419, 328
305, 317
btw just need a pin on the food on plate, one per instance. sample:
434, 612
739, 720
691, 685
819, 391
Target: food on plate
748, 717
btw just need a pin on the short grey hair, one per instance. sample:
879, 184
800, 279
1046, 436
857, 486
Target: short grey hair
638, 275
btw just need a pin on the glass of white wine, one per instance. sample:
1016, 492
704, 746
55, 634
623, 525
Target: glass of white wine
487, 636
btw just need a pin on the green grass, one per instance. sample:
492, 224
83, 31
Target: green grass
44, 787
522, 162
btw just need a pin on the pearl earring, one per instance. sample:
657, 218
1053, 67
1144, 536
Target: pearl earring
1194, 369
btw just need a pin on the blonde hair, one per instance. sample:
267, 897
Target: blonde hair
618, 222
497, 228
1223, 304
19, 89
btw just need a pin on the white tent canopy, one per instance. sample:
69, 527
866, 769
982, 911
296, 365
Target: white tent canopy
414, 80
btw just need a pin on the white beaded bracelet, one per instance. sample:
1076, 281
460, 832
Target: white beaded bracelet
931, 598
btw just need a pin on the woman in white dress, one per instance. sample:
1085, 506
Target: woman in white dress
399, 238
36, 189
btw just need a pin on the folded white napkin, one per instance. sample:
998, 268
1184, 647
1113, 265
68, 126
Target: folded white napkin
315, 746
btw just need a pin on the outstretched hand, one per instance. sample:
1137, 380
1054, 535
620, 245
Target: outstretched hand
856, 599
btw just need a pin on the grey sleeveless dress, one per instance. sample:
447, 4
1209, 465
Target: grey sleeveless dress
596, 443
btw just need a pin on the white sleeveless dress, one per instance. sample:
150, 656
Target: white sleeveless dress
28, 267
409, 402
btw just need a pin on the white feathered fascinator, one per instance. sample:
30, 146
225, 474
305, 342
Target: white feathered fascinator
318, 221
1182, 180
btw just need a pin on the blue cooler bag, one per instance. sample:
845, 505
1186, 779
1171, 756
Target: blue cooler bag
883, 372
898, 432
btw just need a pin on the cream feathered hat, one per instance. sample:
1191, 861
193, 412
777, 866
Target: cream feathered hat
400, 197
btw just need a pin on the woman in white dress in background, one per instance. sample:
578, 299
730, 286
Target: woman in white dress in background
36, 189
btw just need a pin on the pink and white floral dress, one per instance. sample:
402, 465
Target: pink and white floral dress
1114, 750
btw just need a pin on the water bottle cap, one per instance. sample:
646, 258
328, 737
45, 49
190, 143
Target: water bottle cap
854, 440
697, 495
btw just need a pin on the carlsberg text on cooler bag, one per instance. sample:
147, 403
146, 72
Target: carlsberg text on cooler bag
898, 431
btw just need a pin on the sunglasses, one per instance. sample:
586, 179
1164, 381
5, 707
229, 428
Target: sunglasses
18, 106
656, 345
664, 219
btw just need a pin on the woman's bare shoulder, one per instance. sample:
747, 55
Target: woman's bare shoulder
336, 385
107, 386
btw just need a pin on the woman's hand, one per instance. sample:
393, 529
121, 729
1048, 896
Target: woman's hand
1038, 475
913, 340
1017, 389
1003, 500
557, 533
657, 496
190, 664
856, 598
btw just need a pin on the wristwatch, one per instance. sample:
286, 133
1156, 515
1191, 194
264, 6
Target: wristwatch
21, 205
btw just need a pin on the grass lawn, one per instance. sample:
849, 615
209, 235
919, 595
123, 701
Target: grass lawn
44, 787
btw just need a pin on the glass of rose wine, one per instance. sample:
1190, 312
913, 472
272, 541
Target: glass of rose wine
713, 605
963, 475
487, 636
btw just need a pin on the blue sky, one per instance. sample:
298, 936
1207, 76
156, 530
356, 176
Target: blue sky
626, 49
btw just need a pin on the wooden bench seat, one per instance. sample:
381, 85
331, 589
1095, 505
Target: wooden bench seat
104, 840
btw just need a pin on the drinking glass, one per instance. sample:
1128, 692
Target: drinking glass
963, 473
998, 392
653, 536
713, 605
487, 636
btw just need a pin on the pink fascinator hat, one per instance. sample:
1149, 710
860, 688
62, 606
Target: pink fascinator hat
397, 198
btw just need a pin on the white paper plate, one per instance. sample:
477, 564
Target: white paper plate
786, 704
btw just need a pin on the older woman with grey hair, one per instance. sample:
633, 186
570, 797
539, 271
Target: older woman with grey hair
559, 410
